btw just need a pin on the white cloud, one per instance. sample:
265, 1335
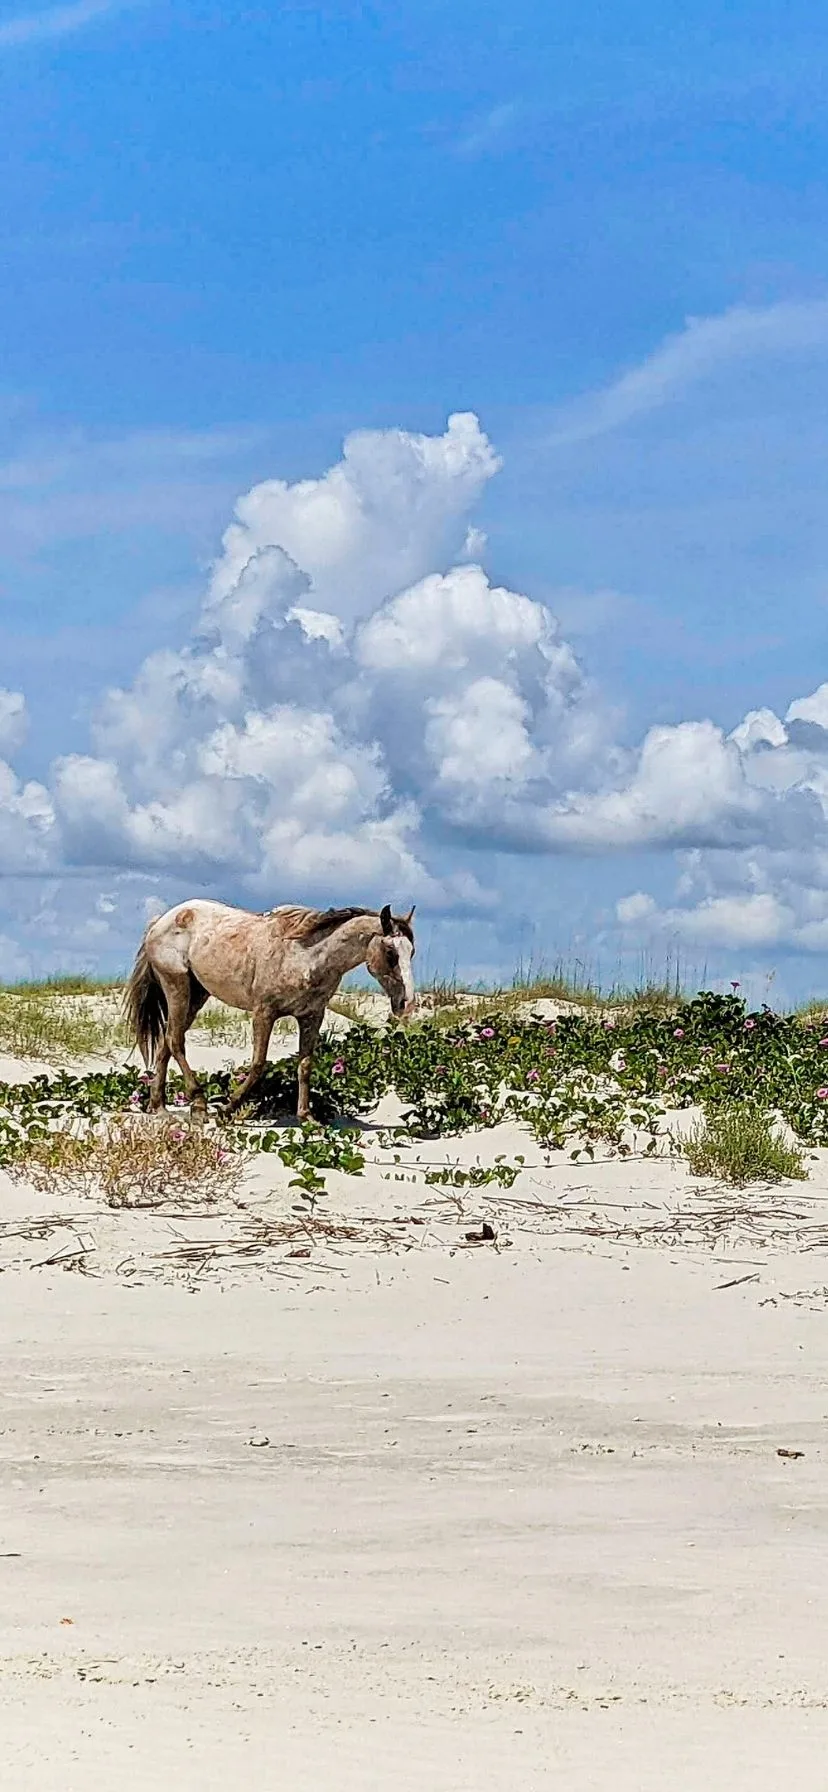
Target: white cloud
808, 709
287, 743
479, 736
760, 878
632, 910
27, 834
454, 621
359, 707
736, 922
688, 786
480, 703
283, 734
394, 505
13, 720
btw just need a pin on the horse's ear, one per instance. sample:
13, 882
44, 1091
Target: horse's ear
385, 919
410, 916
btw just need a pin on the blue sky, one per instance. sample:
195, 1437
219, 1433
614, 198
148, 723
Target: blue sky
234, 235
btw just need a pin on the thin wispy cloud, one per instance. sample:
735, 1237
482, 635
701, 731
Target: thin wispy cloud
706, 343
491, 132
55, 22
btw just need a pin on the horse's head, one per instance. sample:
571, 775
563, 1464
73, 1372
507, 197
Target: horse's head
388, 958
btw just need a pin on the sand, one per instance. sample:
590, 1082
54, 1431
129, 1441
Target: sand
417, 1512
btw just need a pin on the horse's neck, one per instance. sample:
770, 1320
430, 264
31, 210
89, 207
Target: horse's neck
344, 950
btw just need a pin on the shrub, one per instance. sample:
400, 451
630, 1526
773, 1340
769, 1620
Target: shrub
133, 1162
739, 1145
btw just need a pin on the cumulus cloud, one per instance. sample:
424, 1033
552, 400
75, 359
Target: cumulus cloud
688, 785
257, 751
762, 878
358, 695
726, 921
27, 824
27, 835
395, 505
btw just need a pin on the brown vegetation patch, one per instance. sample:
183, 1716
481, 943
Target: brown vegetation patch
135, 1162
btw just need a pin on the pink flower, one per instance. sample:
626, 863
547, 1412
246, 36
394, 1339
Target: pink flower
338, 1068
824, 1041
822, 1094
678, 1033
440, 1070
722, 1066
532, 1076
487, 1032
662, 1070
735, 985
609, 1022
145, 1076
749, 1026
180, 1100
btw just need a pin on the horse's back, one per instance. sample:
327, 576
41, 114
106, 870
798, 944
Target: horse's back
202, 911
221, 945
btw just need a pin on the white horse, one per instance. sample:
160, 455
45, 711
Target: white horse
286, 962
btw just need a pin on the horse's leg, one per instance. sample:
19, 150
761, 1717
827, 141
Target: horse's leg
263, 1019
158, 1086
178, 996
309, 1026
197, 996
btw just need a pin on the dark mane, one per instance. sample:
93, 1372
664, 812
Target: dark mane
312, 924
316, 923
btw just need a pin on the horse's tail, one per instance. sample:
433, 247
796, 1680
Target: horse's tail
145, 1007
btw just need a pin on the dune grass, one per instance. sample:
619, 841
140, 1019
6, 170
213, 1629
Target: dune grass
448, 1000
68, 984
71, 1016
57, 1024
53, 1028
741, 1144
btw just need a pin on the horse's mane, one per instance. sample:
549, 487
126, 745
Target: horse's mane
315, 923
311, 924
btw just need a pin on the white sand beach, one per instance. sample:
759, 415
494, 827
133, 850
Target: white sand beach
403, 1509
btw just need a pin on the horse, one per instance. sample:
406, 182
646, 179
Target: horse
288, 961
